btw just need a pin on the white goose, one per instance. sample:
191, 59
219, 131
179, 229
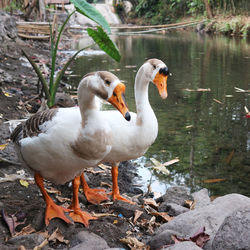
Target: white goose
59, 143
132, 139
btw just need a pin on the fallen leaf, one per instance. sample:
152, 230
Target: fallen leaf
13, 177
115, 221
42, 245
57, 235
104, 167
13, 220
24, 183
230, 157
103, 214
168, 163
151, 202
53, 190
137, 215
133, 243
62, 199
103, 184
26, 230
163, 215
159, 166
3, 146
199, 238
190, 204
213, 180
218, 101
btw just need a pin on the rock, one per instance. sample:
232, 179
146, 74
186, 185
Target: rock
8, 30
29, 241
234, 233
126, 209
172, 209
177, 195
89, 241
161, 239
200, 27
185, 245
211, 217
201, 198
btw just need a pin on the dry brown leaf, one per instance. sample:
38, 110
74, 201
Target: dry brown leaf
151, 202
26, 230
92, 171
163, 215
133, 243
52, 190
57, 235
103, 214
190, 204
42, 245
62, 199
21, 247
213, 180
103, 184
137, 215
104, 167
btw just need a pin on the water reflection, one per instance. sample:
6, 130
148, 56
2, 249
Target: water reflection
207, 129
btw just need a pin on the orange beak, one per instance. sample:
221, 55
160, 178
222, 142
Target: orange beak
119, 102
160, 81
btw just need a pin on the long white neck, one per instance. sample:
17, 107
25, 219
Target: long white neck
86, 99
143, 107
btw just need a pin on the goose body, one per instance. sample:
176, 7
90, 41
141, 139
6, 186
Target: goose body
131, 140
58, 144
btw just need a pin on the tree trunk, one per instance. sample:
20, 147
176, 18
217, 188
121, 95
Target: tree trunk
208, 9
233, 7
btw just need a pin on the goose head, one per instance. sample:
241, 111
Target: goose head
158, 73
108, 87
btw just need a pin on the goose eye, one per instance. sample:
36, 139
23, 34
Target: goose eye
107, 82
154, 67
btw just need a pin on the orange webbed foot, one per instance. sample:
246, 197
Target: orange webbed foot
82, 217
121, 198
55, 211
95, 196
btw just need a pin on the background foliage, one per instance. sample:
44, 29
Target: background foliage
164, 11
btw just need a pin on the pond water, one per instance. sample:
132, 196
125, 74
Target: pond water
207, 130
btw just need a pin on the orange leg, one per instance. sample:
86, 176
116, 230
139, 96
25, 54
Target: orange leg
78, 215
94, 196
52, 210
115, 189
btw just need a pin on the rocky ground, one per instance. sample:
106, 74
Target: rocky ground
177, 220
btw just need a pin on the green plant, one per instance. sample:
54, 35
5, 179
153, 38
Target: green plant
99, 36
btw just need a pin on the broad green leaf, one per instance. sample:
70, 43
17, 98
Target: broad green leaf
91, 12
104, 42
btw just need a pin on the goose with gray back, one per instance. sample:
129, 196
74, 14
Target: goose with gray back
58, 144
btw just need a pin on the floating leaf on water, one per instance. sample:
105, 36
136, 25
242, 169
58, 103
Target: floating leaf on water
213, 180
159, 166
168, 163
3, 146
218, 101
24, 183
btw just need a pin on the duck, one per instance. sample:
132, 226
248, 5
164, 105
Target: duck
58, 144
132, 139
